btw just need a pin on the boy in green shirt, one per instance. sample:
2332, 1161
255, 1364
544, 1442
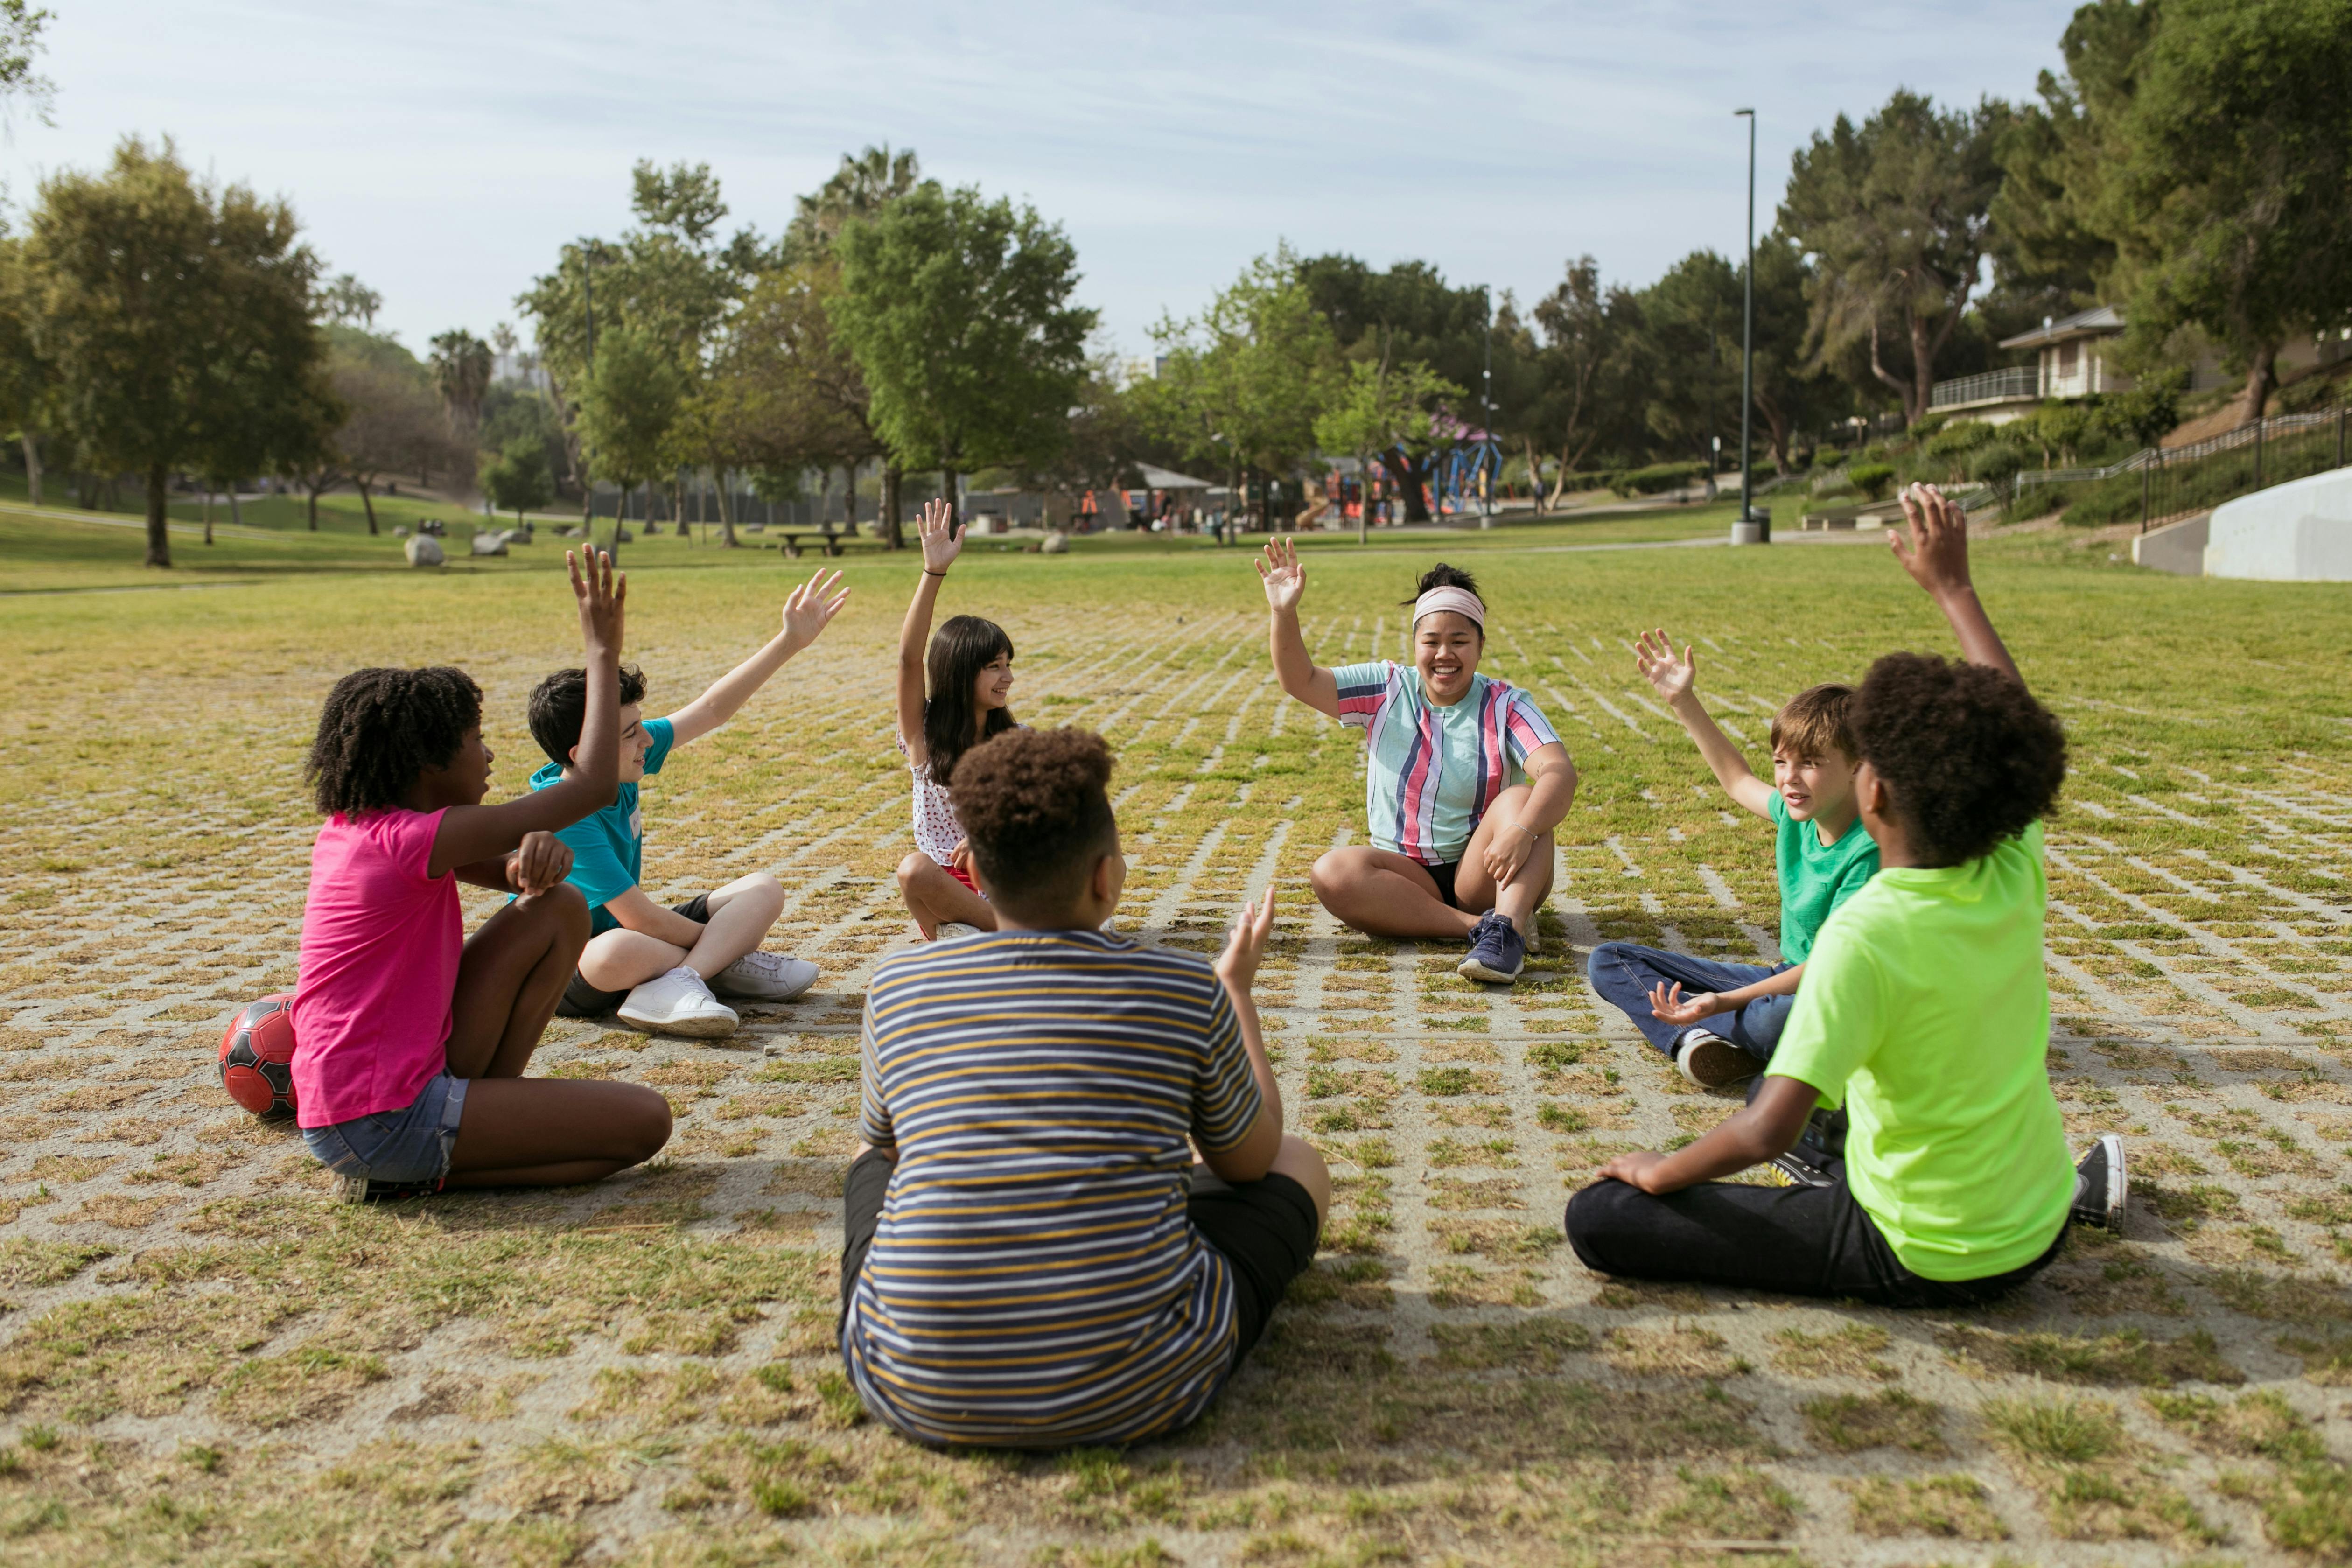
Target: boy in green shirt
1726, 1028
1925, 1010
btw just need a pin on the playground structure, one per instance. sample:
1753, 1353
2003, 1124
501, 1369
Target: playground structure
1464, 474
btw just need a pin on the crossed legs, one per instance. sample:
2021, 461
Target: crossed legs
1381, 893
741, 914
933, 894
535, 1132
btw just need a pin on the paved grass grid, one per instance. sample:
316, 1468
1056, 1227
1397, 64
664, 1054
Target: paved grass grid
203, 1359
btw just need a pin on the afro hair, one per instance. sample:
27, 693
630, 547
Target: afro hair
382, 728
1969, 756
1033, 803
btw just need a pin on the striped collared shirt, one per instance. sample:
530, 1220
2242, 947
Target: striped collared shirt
1431, 772
1034, 1280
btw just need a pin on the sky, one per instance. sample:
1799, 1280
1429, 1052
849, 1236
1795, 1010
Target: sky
443, 150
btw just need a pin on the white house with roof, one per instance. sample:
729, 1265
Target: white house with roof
2073, 357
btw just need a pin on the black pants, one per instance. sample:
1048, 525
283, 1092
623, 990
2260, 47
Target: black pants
581, 1000
1266, 1229
1804, 1241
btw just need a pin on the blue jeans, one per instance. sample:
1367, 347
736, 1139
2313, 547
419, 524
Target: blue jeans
1623, 974
414, 1143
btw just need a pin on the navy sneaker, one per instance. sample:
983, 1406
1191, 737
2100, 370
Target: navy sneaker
1496, 951
2100, 1184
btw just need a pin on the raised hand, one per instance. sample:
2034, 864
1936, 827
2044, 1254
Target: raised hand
1670, 678
942, 536
541, 862
1245, 947
811, 607
601, 591
1938, 552
1284, 577
1671, 1005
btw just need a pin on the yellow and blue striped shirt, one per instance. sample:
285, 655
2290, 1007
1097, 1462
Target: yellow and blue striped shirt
1034, 1280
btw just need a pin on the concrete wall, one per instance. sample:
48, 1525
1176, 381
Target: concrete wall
2178, 548
2296, 533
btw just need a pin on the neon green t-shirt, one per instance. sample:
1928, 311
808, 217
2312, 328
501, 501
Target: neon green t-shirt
1926, 1008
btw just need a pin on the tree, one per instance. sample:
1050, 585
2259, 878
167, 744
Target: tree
628, 408
857, 191
783, 393
393, 424
461, 373
1385, 408
349, 303
2226, 167
25, 376
166, 307
1406, 314
957, 312
1587, 387
518, 479
1894, 214
1241, 384
1106, 438
20, 42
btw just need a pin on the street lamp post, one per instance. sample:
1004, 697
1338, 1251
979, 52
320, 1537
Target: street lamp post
1486, 495
1759, 527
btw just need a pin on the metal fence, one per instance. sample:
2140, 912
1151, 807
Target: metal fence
2156, 485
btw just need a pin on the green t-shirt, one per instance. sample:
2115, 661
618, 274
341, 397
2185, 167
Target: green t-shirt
1926, 1008
1815, 877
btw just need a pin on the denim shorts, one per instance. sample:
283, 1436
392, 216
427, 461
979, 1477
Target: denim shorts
412, 1144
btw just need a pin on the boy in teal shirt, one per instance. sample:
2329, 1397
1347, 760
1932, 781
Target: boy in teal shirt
1927, 1012
1726, 1025
664, 970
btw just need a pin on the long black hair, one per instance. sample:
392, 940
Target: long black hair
382, 728
960, 649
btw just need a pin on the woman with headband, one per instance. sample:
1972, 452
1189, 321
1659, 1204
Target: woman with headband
1464, 780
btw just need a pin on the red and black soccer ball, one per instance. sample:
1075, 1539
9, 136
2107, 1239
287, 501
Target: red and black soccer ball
256, 1057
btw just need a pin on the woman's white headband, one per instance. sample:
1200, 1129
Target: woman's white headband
1461, 601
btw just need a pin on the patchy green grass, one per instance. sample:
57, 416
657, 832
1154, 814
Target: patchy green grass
643, 1370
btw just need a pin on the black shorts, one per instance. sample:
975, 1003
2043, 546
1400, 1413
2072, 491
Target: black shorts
1266, 1231
1444, 876
581, 1000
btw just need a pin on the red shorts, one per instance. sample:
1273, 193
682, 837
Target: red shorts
960, 875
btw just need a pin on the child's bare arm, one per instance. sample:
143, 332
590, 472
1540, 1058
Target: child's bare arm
807, 611
1938, 560
539, 863
469, 833
1675, 680
1667, 1002
942, 541
1250, 1159
639, 913
1768, 1126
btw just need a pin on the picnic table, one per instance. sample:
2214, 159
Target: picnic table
831, 534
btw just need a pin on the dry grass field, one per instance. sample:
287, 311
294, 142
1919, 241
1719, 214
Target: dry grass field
203, 1359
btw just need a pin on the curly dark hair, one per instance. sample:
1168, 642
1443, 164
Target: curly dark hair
1969, 756
558, 708
1033, 802
382, 728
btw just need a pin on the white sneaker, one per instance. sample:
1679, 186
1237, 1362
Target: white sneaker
1710, 1061
765, 977
950, 929
678, 1003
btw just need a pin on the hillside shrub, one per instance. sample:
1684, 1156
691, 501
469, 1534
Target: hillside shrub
1873, 479
1655, 478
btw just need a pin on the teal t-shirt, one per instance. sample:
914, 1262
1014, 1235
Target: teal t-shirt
1815, 877
608, 847
1926, 1008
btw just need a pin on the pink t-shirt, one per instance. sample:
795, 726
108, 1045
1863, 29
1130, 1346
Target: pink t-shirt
380, 941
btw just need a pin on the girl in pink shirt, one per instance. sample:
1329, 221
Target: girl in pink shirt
410, 1037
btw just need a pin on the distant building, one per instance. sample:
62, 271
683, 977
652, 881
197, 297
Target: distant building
2073, 357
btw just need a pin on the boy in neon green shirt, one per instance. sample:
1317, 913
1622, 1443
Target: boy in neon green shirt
1925, 1010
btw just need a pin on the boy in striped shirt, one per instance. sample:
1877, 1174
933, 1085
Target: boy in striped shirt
1030, 1257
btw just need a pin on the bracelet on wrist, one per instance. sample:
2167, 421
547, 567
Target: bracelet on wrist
1530, 832
929, 573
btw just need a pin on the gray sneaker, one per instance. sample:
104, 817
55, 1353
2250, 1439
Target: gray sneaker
2101, 1184
765, 977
